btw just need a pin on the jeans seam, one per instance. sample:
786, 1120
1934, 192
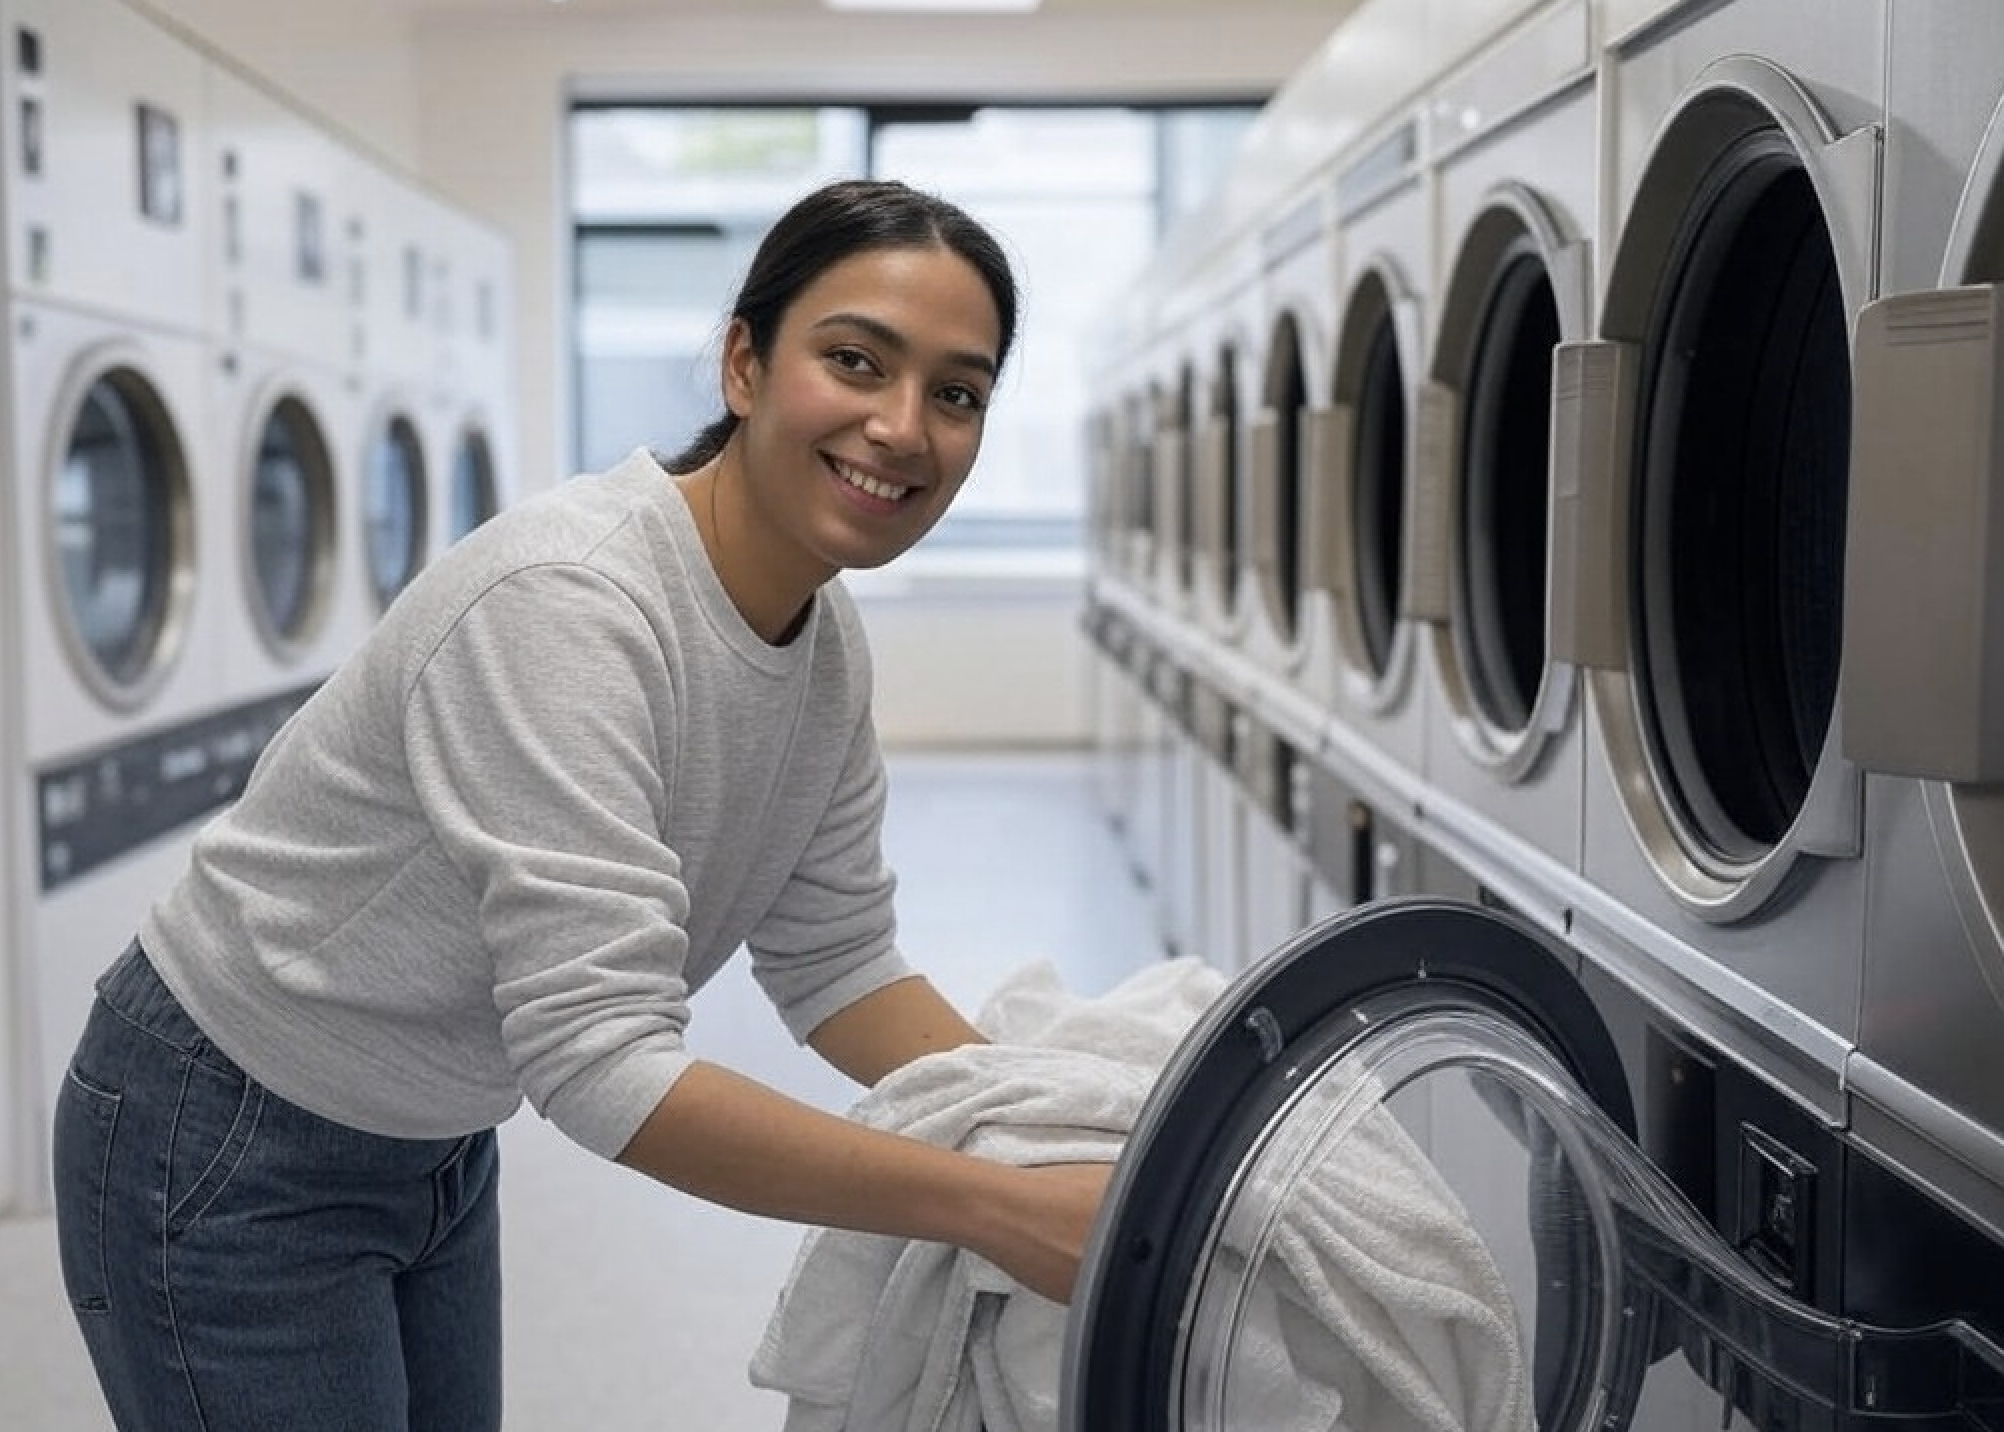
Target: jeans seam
101, 1305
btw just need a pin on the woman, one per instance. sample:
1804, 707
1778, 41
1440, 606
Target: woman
610, 737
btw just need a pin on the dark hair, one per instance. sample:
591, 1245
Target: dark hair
835, 222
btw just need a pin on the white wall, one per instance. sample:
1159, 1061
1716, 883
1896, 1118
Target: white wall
472, 100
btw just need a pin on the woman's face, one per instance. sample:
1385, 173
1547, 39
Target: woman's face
859, 429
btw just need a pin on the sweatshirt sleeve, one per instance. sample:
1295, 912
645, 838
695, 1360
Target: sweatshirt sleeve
831, 937
532, 734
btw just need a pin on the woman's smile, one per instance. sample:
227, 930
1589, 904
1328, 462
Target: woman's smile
885, 492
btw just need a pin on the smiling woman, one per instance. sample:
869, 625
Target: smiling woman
612, 736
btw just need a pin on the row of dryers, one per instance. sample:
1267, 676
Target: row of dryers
1560, 472
254, 377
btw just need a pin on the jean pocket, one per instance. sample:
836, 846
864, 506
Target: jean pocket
213, 1131
86, 1120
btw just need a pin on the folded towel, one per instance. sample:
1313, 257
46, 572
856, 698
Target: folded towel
1367, 1301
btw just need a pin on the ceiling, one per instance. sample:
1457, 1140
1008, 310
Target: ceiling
1324, 11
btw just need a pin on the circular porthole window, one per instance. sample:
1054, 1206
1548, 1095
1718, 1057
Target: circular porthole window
290, 525
1506, 492
1277, 542
1223, 538
475, 498
1743, 477
1183, 481
1371, 383
1735, 288
122, 533
395, 513
1501, 321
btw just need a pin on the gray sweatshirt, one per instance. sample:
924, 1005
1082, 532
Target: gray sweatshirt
558, 786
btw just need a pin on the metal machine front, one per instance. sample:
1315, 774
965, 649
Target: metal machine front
1397, 1179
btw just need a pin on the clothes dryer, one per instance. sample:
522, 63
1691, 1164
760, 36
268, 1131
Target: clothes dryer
1923, 684
1702, 557
1228, 371
1365, 671
1175, 491
1281, 514
1426, 1165
1514, 142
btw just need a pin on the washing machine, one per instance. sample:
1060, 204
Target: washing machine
1923, 682
1704, 443
396, 525
1427, 1165
120, 737
284, 389
1514, 141
476, 461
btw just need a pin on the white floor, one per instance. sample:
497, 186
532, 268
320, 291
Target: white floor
630, 1306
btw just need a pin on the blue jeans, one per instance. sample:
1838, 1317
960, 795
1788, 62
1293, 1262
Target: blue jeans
236, 1262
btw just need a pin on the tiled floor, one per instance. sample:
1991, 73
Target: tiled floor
631, 1306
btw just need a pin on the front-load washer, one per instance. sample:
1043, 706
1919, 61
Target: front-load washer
1281, 516
1366, 673
476, 456
1701, 563
1923, 697
1514, 138
1175, 495
1428, 1166
125, 737
1220, 486
402, 350
116, 736
284, 389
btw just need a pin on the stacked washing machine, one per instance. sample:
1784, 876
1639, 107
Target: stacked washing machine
192, 355
1627, 435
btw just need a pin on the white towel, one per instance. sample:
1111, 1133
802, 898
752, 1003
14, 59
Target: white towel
1374, 1307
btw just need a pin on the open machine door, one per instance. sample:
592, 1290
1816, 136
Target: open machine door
1391, 1182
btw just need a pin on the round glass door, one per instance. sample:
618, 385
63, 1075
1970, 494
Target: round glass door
474, 498
123, 537
291, 525
1389, 1183
395, 513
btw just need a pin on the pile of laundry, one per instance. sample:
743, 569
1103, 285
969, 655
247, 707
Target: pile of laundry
879, 1334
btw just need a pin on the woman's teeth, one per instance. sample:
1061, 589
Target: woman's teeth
886, 491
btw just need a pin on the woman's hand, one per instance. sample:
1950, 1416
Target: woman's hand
1042, 1239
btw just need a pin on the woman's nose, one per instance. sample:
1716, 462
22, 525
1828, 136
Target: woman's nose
897, 419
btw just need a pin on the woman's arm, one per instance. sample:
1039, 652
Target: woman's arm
888, 1028
729, 1140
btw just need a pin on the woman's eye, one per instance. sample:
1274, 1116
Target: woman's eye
851, 360
959, 395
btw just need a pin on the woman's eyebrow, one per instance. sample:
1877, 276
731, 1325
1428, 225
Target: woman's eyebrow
891, 338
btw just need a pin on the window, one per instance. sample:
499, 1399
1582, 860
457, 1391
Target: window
668, 202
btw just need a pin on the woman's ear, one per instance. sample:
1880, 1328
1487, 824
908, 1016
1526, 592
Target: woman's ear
740, 368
